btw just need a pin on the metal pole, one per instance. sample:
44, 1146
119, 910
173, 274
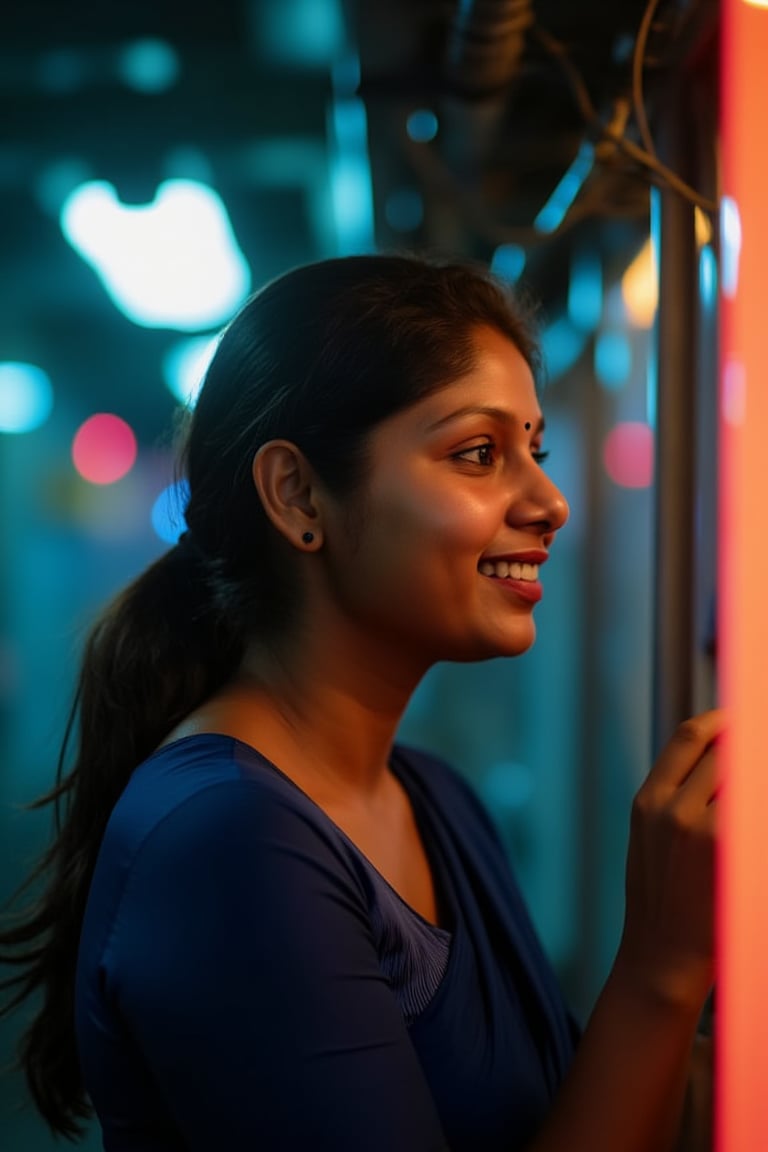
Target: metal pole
674, 567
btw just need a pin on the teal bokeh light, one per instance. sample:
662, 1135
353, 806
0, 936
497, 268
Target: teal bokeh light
149, 65
307, 32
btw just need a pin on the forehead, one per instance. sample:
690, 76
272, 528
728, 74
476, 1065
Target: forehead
500, 378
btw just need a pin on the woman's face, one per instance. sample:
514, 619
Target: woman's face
456, 520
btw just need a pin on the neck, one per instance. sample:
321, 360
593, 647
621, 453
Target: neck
334, 698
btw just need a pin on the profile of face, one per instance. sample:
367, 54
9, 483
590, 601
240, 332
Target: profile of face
456, 519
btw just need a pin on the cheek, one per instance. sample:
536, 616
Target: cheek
435, 522
422, 556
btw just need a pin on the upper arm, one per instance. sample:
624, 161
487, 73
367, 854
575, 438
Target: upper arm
244, 968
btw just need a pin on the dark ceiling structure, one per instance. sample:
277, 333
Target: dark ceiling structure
520, 91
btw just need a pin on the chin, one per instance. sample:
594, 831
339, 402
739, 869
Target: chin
517, 649
515, 643
519, 640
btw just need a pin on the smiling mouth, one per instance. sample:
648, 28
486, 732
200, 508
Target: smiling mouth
503, 570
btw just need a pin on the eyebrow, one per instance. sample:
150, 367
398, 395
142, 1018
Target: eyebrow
500, 414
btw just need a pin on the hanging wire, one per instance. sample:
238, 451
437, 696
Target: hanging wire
435, 172
638, 65
642, 155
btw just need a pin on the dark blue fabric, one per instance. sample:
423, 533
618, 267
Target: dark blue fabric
248, 981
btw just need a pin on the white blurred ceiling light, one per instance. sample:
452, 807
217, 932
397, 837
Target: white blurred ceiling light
171, 263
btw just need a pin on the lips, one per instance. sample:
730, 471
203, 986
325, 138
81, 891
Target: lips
530, 556
517, 572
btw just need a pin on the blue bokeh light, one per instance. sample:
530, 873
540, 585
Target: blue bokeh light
554, 211
708, 278
613, 359
508, 262
562, 345
167, 514
26, 396
404, 210
422, 125
585, 290
349, 173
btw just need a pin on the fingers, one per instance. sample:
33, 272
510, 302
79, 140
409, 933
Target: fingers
669, 931
700, 786
689, 805
693, 804
686, 750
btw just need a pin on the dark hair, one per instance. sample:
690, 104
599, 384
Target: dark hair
320, 356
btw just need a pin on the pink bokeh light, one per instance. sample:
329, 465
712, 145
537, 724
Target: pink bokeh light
628, 454
104, 448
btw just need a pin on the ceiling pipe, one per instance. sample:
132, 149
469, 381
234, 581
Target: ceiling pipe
482, 60
485, 44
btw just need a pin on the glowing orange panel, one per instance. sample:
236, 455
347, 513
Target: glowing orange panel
742, 997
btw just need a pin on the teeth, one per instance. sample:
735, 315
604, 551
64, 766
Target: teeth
503, 570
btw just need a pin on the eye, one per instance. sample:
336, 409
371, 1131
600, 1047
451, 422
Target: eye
484, 454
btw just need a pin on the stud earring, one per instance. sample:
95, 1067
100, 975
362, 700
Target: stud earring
308, 537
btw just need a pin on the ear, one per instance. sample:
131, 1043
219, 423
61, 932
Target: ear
287, 488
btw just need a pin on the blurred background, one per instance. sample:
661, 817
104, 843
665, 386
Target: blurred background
161, 161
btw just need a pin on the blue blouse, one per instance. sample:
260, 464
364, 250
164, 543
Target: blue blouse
248, 981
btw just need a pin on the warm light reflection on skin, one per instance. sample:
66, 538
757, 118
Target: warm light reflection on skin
741, 1025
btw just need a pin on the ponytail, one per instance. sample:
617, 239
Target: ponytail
159, 650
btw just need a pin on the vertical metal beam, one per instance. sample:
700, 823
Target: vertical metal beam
674, 567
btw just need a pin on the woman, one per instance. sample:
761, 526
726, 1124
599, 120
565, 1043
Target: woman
269, 926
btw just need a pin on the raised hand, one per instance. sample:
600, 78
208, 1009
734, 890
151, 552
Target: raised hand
668, 941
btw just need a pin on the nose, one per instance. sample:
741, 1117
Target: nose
541, 504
